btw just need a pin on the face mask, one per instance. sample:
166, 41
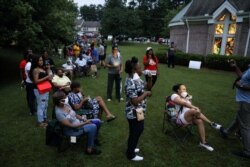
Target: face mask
184, 94
60, 76
65, 101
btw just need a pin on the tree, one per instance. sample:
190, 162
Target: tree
36, 24
91, 12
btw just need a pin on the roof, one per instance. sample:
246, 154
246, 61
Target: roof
79, 22
206, 8
202, 7
91, 24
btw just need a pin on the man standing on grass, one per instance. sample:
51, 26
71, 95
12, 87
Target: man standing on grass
171, 55
243, 117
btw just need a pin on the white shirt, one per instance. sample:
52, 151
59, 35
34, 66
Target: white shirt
101, 50
173, 96
68, 66
26, 70
81, 63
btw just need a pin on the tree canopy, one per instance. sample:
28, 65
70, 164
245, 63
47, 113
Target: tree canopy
139, 17
37, 24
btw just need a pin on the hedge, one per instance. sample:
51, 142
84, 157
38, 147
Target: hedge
217, 62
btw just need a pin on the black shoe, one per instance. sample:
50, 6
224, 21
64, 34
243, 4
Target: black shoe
94, 152
223, 133
97, 142
241, 154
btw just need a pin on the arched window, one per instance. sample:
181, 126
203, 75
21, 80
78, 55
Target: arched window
225, 29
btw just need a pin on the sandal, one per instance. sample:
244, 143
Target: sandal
111, 118
94, 151
42, 125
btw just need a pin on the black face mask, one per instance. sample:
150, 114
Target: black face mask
60, 76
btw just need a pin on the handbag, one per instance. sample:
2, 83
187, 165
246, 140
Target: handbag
93, 68
44, 87
139, 114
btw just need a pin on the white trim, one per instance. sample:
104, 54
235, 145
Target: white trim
181, 23
188, 32
225, 5
248, 38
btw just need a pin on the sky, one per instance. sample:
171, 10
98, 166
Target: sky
88, 2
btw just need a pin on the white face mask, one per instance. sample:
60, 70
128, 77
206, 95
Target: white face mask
184, 94
65, 101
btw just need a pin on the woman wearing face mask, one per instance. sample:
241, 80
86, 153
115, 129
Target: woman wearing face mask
75, 125
114, 64
61, 81
150, 62
190, 114
135, 90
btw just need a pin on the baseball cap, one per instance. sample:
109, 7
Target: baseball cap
149, 48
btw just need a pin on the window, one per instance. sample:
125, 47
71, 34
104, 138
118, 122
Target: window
225, 30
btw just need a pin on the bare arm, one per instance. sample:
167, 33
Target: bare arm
184, 103
237, 69
242, 87
36, 77
66, 122
135, 101
79, 106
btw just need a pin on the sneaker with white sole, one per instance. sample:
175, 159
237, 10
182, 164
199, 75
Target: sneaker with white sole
206, 146
137, 150
108, 99
121, 99
215, 126
137, 158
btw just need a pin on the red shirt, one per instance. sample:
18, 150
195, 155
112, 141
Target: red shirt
22, 67
152, 63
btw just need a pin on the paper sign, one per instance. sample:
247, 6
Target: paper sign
194, 64
72, 139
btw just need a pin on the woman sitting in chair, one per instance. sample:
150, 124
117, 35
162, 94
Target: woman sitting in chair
75, 125
190, 114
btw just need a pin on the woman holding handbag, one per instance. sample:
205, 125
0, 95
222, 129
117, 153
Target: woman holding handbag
135, 105
41, 78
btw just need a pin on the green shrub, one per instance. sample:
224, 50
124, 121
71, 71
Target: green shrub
180, 58
220, 62
217, 62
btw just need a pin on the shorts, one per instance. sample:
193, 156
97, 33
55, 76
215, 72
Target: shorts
102, 57
181, 119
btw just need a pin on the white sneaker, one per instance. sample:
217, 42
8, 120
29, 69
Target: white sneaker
121, 99
206, 146
137, 158
108, 99
215, 126
137, 150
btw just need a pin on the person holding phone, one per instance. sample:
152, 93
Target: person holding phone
150, 62
243, 115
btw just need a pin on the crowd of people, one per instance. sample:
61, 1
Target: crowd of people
70, 101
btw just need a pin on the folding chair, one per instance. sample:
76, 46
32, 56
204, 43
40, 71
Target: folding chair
169, 125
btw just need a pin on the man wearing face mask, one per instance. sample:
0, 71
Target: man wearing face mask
114, 64
61, 81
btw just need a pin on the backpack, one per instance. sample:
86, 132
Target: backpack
53, 133
171, 109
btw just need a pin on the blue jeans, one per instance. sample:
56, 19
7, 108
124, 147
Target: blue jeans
42, 105
244, 122
89, 129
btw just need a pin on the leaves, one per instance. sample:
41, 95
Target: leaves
32, 22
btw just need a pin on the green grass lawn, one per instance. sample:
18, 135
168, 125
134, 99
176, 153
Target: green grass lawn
23, 144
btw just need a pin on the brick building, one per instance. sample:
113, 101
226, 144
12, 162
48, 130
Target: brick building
213, 27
